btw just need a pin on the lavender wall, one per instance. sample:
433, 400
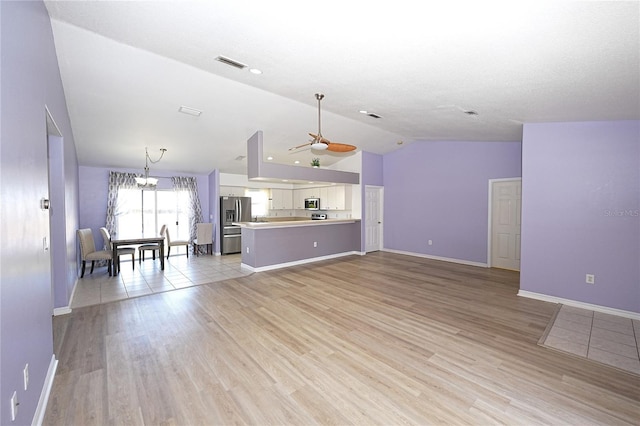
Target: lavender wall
372, 172
94, 187
30, 80
581, 212
439, 191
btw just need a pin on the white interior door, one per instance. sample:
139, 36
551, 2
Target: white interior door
373, 218
506, 206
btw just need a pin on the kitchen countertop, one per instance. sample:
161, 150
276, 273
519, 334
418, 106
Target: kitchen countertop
291, 222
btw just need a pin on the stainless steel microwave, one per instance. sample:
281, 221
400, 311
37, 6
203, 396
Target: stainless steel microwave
312, 203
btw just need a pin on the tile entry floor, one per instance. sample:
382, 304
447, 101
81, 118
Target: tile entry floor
609, 339
148, 278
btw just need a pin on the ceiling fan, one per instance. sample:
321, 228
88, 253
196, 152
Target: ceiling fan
319, 142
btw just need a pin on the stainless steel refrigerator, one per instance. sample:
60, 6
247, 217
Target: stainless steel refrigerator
233, 209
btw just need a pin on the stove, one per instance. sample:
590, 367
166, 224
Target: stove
318, 216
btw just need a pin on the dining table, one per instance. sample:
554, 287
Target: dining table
131, 241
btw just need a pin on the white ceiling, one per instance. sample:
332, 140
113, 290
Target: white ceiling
128, 66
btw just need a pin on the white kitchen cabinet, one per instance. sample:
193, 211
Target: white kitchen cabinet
337, 197
298, 199
323, 194
299, 196
312, 193
281, 199
334, 197
232, 191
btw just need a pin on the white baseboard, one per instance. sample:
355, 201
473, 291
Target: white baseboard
297, 262
73, 293
582, 305
444, 259
41, 409
61, 311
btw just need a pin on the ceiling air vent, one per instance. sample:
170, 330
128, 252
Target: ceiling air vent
371, 114
231, 62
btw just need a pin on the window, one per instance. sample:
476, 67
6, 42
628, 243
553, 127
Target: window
259, 201
144, 211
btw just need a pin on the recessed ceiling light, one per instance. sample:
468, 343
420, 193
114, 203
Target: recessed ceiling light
363, 111
285, 180
296, 162
269, 158
191, 111
255, 71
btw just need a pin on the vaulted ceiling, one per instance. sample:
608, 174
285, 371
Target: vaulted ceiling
451, 70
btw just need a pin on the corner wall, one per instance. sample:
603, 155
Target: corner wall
439, 191
581, 212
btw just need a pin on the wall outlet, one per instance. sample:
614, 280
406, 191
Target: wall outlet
591, 279
430, 242
14, 406
315, 244
25, 375
247, 250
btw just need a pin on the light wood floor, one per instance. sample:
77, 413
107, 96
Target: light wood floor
378, 339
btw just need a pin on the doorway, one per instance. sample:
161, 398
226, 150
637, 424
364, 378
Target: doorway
505, 207
373, 212
57, 235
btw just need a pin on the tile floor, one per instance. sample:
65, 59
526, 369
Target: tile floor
148, 278
609, 339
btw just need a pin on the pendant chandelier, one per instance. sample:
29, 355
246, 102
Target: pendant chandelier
146, 181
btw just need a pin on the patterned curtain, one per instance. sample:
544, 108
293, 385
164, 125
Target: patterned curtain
117, 181
189, 186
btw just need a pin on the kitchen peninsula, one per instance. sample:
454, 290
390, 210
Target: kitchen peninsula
272, 244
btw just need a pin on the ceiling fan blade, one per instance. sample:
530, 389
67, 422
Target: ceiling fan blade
340, 147
333, 146
319, 139
300, 146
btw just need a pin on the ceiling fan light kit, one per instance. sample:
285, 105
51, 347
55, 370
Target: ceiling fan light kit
319, 146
